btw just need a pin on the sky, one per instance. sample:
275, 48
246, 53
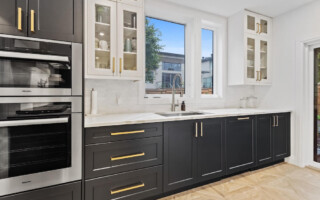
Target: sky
173, 36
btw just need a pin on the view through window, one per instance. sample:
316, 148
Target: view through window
165, 56
207, 64
317, 105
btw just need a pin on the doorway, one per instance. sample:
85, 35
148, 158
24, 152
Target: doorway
316, 146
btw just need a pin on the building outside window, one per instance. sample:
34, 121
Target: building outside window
165, 55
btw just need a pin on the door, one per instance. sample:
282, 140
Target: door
264, 139
281, 136
240, 144
211, 157
180, 140
102, 37
264, 76
130, 40
53, 19
264, 26
251, 59
251, 23
13, 20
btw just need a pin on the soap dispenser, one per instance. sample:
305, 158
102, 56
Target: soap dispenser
183, 106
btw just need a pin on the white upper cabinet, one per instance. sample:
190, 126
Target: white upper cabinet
114, 40
249, 49
132, 2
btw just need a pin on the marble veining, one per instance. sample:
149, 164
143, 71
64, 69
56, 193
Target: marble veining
279, 182
139, 118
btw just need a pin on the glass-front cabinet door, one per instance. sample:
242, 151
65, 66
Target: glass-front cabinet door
264, 61
257, 24
130, 30
102, 38
251, 23
251, 59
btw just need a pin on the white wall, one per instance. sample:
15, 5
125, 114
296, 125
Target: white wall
288, 30
125, 96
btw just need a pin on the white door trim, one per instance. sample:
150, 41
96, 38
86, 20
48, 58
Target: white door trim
302, 144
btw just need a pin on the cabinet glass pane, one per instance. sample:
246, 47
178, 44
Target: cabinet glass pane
250, 23
102, 37
264, 59
250, 57
264, 26
130, 40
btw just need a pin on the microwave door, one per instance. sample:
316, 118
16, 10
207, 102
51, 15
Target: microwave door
26, 77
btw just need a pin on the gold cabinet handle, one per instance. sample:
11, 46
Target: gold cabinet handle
32, 20
113, 65
127, 133
258, 27
274, 121
257, 76
127, 156
201, 129
243, 118
196, 135
260, 77
120, 70
277, 121
140, 185
20, 19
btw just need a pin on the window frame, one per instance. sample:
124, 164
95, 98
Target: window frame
217, 62
188, 22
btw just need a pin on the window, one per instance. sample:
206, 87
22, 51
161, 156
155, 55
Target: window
207, 64
165, 56
171, 66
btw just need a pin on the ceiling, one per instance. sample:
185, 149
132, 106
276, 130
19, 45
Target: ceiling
227, 8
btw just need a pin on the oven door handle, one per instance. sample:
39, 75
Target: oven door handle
30, 56
33, 122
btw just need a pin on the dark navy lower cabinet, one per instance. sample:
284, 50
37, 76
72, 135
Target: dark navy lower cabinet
211, 147
180, 153
240, 143
281, 136
264, 139
193, 152
71, 191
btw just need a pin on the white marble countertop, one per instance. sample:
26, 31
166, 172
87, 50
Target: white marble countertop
140, 118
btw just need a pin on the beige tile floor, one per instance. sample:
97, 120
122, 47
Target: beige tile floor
278, 182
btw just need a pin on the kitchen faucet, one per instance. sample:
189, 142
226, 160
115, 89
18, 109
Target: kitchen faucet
174, 105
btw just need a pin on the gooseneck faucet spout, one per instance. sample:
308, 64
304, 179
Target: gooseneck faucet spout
174, 105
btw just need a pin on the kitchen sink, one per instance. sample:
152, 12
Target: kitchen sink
180, 114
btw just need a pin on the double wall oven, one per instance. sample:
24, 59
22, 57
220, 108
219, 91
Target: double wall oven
40, 113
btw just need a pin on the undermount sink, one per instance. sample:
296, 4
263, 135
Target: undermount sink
180, 114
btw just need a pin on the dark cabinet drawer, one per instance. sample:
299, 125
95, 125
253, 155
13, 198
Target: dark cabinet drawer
116, 157
70, 191
125, 132
134, 185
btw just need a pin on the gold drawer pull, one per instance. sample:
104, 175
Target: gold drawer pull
128, 156
20, 19
127, 189
244, 118
127, 133
32, 21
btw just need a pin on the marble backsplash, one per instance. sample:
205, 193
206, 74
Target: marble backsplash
118, 96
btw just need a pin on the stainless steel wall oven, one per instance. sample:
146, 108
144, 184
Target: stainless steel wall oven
40, 142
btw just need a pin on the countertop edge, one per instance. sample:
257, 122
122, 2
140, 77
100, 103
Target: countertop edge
170, 119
